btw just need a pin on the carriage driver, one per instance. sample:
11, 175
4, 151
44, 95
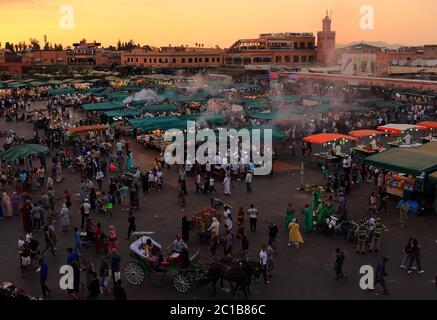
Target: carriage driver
180, 248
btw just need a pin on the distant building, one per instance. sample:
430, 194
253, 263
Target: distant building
430, 51
326, 43
83, 55
46, 58
13, 65
173, 58
273, 49
107, 58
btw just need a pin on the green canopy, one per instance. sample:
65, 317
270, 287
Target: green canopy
256, 104
130, 88
156, 108
122, 113
163, 123
23, 151
411, 161
117, 96
211, 118
61, 91
105, 106
285, 99
273, 115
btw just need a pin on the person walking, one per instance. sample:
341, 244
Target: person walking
361, 234
415, 257
372, 203
407, 254
376, 237
94, 287
77, 241
85, 208
185, 227
273, 232
403, 213
118, 292
337, 264
43, 275
263, 263
295, 236
381, 274
65, 218
228, 243
253, 217
383, 195
132, 227
49, 240
249, 182
213, 242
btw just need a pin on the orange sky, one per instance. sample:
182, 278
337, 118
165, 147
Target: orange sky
212, 22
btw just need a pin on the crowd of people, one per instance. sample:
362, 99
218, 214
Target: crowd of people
111, 183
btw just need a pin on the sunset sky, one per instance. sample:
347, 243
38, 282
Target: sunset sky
214, 22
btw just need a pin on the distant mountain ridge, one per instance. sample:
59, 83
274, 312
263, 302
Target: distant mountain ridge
381, 44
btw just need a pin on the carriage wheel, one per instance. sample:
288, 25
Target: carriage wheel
182, 283
134, 273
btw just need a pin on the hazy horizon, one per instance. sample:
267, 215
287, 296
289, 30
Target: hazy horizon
214, 23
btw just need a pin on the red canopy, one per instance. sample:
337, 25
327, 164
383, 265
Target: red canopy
97, 127
322, 138
365, 133
428, 124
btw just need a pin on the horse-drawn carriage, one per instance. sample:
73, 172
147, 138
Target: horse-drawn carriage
143, 267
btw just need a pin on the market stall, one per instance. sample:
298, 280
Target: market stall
23, 151
327, 140
367, 149
408, 169
405, 134
432, 127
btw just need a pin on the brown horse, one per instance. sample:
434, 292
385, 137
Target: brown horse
238, 273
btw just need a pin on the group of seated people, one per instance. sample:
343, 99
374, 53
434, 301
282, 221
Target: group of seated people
178, 253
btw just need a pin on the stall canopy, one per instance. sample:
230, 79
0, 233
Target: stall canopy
256, 104
122, 113
428, 124
61, 91
322, 138
82, 129
365, 133
399, 128
104, 106
23, 151
156, 108
409, 161
162, 123
117, 96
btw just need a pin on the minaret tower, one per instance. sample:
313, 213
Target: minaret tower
326, 42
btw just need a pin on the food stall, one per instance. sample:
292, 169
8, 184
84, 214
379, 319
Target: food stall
326, 140
430, 126
405, 134
408, 170
369, 148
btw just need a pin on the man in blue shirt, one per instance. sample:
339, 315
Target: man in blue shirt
72, 256
44, 272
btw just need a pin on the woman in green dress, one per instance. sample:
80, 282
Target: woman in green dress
289, 215
316, 198
307, 219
